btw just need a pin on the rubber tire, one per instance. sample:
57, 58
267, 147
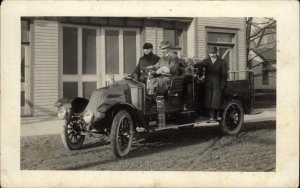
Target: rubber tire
117, 152
66, 141
222, 124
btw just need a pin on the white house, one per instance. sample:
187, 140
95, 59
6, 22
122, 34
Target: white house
264, 68
71, 56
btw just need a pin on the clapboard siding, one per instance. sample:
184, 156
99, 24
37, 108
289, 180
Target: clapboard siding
191, 39
197, 38
45, 67
154, 35
51, 100
41, 85
50, 61
45, 51
38, 35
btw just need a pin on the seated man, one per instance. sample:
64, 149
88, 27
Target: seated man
148, 59
166, 67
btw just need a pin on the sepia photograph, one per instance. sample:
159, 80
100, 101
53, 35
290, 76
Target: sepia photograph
149, 94
162, 93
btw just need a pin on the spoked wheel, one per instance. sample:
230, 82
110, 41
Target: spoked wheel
72, 137
232, 118
121, 134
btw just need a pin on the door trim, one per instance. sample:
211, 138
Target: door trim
26, 85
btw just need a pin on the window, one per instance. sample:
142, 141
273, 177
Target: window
129, 51
24, 31
22, 98
22, 64
88, 88
70, 55
173, 36
25, 68
220, 38
265, 73
121, 51
265, 77
79, 62
112, 51
225, 42
70, 89
88, 51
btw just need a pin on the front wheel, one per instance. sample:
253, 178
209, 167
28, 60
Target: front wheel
121, 134
71, 136
232, 118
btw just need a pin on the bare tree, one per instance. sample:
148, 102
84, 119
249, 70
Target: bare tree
258, 29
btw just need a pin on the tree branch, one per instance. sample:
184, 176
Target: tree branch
262, 29
261, 63
261, 36
263, 45
260, 54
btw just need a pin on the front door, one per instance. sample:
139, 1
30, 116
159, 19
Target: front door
25, 84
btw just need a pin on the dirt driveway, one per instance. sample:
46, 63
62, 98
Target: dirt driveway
200, 148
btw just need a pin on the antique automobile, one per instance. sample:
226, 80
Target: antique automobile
128, 106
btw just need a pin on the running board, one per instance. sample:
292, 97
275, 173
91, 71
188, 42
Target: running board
199, 123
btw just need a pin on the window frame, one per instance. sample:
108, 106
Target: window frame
180, 45
26, 86
101, 74
265, 73
233, 56
80, 78
265, 77
121, 50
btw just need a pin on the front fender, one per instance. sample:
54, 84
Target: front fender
77, 104
107, 105
63, 101
110, 108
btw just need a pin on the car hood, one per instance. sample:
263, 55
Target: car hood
119, 91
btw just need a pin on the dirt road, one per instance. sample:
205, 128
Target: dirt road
200, 148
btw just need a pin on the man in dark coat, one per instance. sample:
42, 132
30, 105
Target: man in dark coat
216, 74
148, 59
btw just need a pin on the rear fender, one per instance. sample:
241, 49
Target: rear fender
247, 108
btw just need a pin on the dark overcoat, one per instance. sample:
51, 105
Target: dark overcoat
144, 61
215, 82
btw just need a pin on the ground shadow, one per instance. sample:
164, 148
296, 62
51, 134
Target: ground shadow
151, 143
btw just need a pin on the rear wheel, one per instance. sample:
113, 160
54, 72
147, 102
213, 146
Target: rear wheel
232, 118
71, 136
121, 134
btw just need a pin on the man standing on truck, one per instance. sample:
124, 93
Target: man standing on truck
148, 59
216, 73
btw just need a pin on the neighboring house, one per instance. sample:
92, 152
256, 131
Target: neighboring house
72, 56
264, 68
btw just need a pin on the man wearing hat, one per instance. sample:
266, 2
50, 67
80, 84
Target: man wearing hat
167, 66
216, 73
148, 59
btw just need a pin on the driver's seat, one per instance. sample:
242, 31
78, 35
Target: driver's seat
177, 81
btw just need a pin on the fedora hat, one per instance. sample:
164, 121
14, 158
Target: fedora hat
212, 49
164, 44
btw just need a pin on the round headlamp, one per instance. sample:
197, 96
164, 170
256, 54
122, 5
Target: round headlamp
88, 116
62, 113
